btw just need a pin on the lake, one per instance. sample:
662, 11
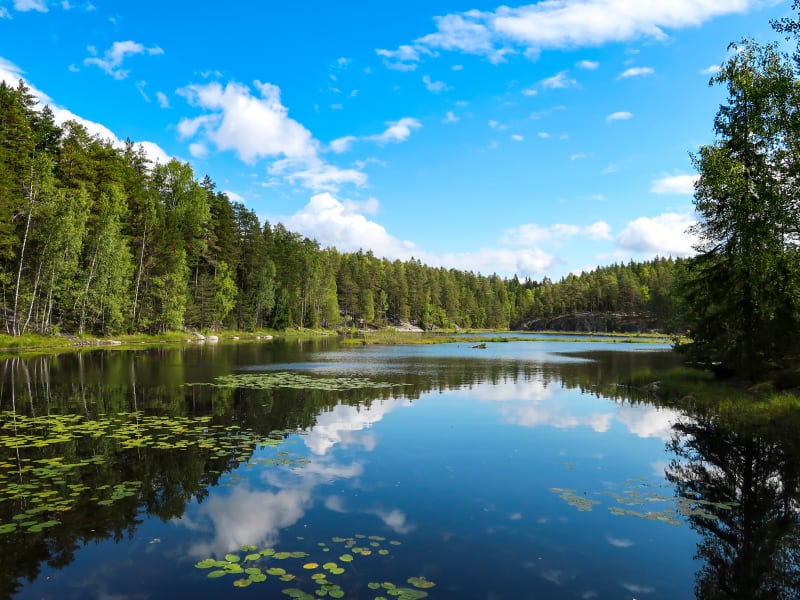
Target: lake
308, 469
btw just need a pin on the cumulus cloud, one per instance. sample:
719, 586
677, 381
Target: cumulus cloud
710, 70
559, 81
111, 61
635, 72
11, 74
619, 116
333, 223
343, 144
396, 131
163, 100
557, 24
450, 117
315, 174
531, 234
674, 184
252, 126
434, 86
28, 5
589, 65
257, 126
664, 235
345, 226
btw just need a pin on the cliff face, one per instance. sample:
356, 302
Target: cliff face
595, 323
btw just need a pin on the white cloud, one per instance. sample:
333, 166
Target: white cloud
11, 74
252, 126
664, 235
233, 196
163, 101
588, 65
113, 57
578, 156
635, 72
674, 184
531, 234
4, 14
198, 150
559, 81
404, 58
343, 144
619, 116
329, 221
517, 137
450, 117
457, 68
28, 5
544, 135
397, 131
315, 174
710, 70
343, 225
557, 24
434, 86
531, 91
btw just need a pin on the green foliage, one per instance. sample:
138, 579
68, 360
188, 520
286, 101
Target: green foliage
743, 290
94, 240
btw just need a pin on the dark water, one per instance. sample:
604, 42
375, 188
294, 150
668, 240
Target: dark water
309, 470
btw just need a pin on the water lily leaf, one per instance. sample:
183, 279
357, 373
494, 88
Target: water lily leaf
310, 566
216, 574
234, 558
257, 577
346, 558
206, 563
277, 571
421, 582
242, 582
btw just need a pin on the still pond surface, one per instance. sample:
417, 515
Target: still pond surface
308, 470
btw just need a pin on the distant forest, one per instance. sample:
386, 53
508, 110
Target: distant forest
97, 240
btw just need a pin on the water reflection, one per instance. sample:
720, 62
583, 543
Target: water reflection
250, 496
748, 480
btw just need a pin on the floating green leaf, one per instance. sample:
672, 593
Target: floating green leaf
421, 582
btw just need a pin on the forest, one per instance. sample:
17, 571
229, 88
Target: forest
96, 240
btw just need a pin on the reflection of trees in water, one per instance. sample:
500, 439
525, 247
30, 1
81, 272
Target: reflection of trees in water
105, 382
751, 550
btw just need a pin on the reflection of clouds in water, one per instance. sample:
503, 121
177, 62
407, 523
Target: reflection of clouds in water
535, 403
553, 415
395, 520
255, 517
339, 425
619, 542
336, 504
648, 421
638, 589
659, 467
249, 517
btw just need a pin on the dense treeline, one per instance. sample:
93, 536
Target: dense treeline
96, 239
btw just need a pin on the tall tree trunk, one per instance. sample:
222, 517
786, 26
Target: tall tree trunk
31, 200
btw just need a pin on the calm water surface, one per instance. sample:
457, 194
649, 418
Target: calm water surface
311, 470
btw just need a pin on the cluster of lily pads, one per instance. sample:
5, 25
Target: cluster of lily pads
42, 485
298, 381
651, 504
257, 566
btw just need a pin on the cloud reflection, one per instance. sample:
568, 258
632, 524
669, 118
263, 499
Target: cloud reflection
339, 425
538, 403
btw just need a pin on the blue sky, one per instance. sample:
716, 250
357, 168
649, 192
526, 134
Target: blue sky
536, 139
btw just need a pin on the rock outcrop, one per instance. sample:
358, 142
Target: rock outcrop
595, 323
